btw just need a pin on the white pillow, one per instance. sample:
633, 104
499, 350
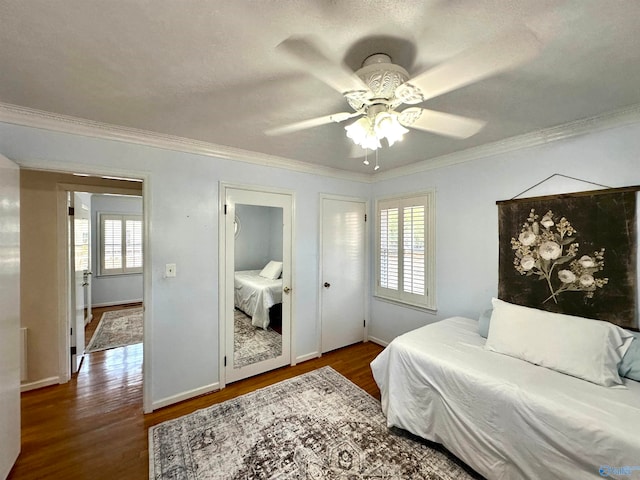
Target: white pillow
583, 348
272, 270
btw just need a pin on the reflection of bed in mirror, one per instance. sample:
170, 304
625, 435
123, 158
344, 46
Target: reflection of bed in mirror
257, 296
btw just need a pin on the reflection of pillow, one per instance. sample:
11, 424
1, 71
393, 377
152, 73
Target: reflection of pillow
630, 365
483, 323
272, 270
587, 349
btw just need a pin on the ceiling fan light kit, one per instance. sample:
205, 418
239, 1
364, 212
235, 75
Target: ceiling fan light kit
377, 89
367, 131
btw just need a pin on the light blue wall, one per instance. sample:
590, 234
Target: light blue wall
112, 289
183, 198
260, 236
467, 215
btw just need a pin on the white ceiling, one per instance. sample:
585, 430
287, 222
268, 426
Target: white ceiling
209, 70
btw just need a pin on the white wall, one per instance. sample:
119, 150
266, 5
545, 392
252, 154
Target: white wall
112, 289
260, 236
467, 215
183, 216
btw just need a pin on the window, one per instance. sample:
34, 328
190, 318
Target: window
405, 254
120, 244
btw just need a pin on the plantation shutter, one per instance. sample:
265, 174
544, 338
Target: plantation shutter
402, 237
112, 244
413, 251
389, 248
121, 244
134, 243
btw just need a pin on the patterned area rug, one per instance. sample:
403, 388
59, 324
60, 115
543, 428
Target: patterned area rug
252, 344
315, 426
117, 329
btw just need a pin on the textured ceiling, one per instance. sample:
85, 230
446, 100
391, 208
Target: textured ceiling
210, 71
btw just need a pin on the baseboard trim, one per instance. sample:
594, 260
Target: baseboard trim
378, 341
165, 402
45, 382
113, 304
308, 356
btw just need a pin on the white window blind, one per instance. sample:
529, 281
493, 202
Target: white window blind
405, 254
120, 244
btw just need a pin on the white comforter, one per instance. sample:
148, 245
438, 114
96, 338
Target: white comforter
255, 295
506, 418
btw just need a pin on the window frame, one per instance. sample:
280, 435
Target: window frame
426, 301
123, 218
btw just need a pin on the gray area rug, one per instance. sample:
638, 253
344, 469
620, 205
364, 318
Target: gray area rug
315, 426
252, 344
118, 328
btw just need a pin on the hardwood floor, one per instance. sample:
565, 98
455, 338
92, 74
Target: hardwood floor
93, 427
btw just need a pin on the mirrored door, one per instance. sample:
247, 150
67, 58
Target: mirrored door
258, 282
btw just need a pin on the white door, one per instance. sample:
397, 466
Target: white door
79, 259
9, 315
263, 349
83, 224
342, 272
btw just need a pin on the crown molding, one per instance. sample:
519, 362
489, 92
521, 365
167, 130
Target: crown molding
617, 118
30, 117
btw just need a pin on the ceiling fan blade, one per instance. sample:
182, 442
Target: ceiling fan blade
311, 56
441, 123
495, 56
312, 122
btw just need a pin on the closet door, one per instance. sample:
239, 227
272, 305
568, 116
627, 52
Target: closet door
257, 322
342, 272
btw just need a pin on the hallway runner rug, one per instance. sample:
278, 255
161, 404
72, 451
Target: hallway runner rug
118, 328
315, 426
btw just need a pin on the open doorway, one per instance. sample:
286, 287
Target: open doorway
47, 313
105, 273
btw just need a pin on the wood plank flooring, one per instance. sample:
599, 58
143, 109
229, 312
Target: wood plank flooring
93, 427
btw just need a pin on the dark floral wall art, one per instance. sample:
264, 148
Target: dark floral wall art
573, 254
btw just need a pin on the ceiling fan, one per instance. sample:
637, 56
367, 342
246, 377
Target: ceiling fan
379, 90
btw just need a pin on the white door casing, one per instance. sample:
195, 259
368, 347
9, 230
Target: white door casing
79, 264
232, 196
342, 272
9, 315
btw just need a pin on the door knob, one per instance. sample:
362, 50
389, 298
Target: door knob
286, 289
327, 284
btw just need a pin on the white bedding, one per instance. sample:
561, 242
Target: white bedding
255, 295
506, 418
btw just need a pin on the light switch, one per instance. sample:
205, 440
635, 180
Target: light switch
170, 270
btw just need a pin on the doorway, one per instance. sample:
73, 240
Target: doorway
83, 245
105, 269
342, 271
256, 271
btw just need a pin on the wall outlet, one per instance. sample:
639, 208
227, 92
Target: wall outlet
170, 270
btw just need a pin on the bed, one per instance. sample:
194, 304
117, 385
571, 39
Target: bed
255, 295
505, 417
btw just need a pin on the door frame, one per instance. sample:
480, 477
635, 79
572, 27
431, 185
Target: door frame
64, 339
367, 261
222, 280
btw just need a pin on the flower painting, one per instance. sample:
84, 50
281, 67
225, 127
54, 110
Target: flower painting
547, 248
573, 254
